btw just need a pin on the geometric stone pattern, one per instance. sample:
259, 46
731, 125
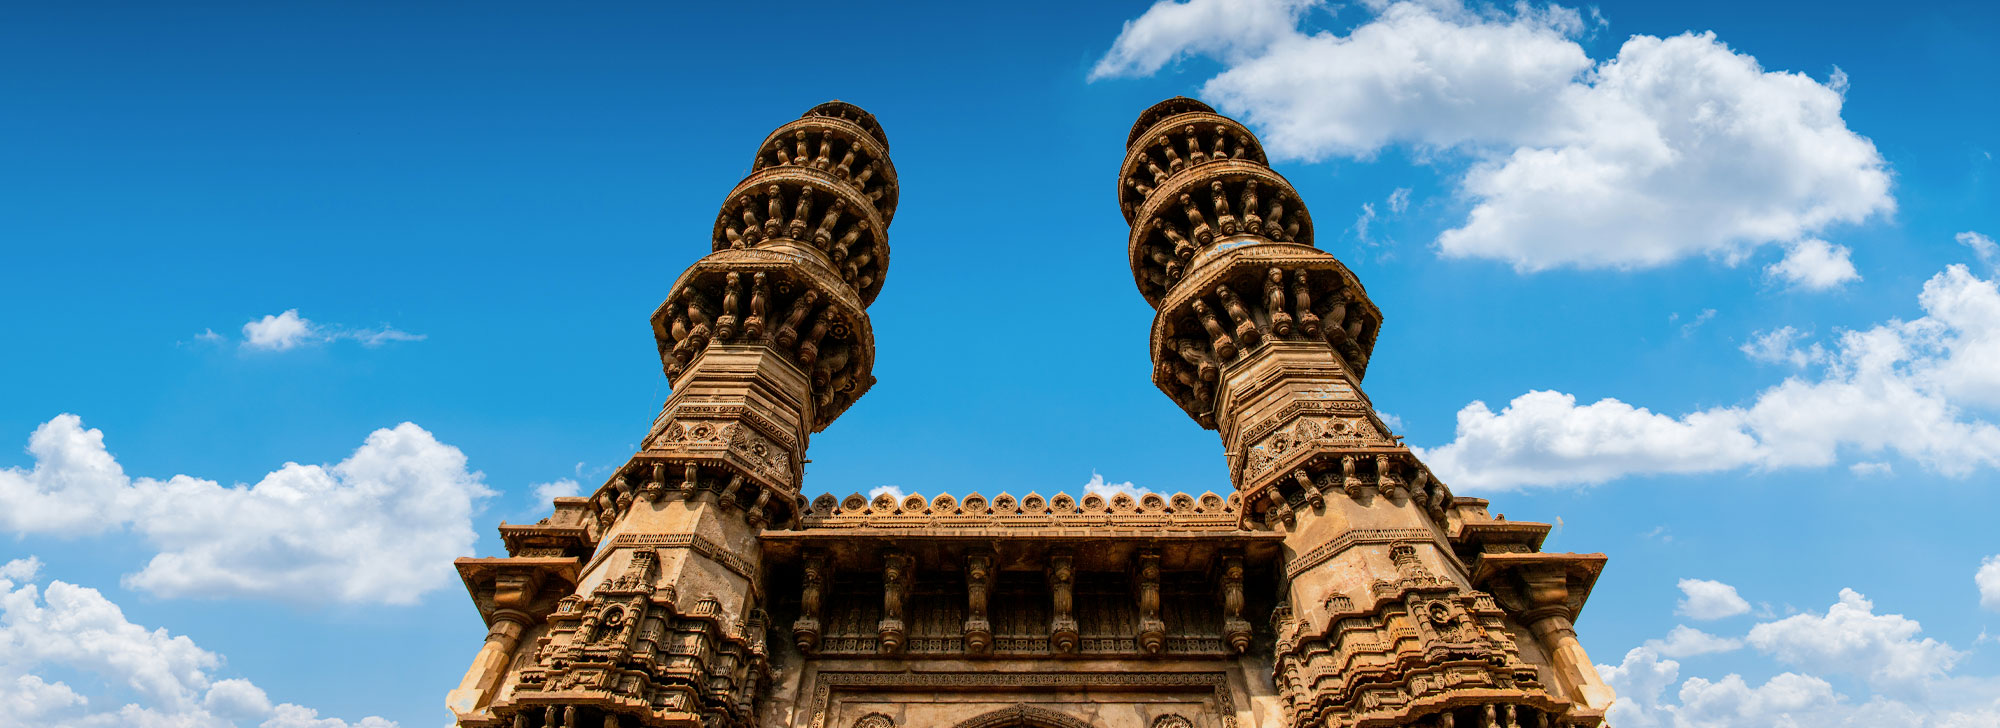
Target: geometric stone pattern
1338, 583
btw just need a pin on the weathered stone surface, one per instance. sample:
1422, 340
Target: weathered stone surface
1336, 583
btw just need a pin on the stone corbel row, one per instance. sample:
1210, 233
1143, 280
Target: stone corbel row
1176, 144
760, 308
1225, 322
796, 212
662, 479
1397, 476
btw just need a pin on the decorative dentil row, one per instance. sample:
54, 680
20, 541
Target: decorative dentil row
1063, 506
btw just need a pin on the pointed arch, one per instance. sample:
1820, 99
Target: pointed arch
1022, 714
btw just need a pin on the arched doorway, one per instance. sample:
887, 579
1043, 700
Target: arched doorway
1022, 715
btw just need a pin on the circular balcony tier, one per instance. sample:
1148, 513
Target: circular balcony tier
1250, 292
808, 315
1153, 114
849, 152
1178, 145
1171, 237
812, 208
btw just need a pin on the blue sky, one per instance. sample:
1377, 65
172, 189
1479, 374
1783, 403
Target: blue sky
1722, 304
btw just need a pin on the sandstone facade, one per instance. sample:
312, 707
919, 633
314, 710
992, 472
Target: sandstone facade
1338, 584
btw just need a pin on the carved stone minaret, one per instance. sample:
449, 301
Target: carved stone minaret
1400, 604
641, 604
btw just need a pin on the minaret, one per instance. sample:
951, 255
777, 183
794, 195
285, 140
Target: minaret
1401, 604
639, 605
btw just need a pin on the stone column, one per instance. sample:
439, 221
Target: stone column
489, 667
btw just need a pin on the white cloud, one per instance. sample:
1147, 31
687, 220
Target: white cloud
1868, 469
1780, 346
1674, 148
1988, 580
1097, 486
1688, 329
1851, 638
1982, 246
1910, 675
306, 533
1545, 438
168, 678
564, 488
1170, 31
289, 330
1399, 199
1916, 388
278, 332
1814, 265
893, 491
1706, 599
1685, 641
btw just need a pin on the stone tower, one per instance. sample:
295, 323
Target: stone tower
1341, 584
642, 604
1400, 604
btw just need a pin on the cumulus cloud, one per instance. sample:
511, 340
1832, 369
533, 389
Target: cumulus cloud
1915, 388
1706, 599
1988, 581
1910, 677
1096, 486
289, 330
1851, 638
893, 491
1674, 148
1814, 264
168, 679
1685, 641
309, 533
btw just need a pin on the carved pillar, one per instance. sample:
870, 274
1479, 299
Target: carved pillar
1235, 629
1152, 631
490, 665
896, 567
978, 582
806, 630
1549, 617
1062, 582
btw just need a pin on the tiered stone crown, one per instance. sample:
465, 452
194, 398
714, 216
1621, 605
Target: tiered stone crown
1221, 246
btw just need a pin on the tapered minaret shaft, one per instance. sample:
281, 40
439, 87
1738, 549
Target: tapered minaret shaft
1265, 338
639, 604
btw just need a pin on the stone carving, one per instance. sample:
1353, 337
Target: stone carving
895, 583
1337, 584
874, 720
1062, 582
